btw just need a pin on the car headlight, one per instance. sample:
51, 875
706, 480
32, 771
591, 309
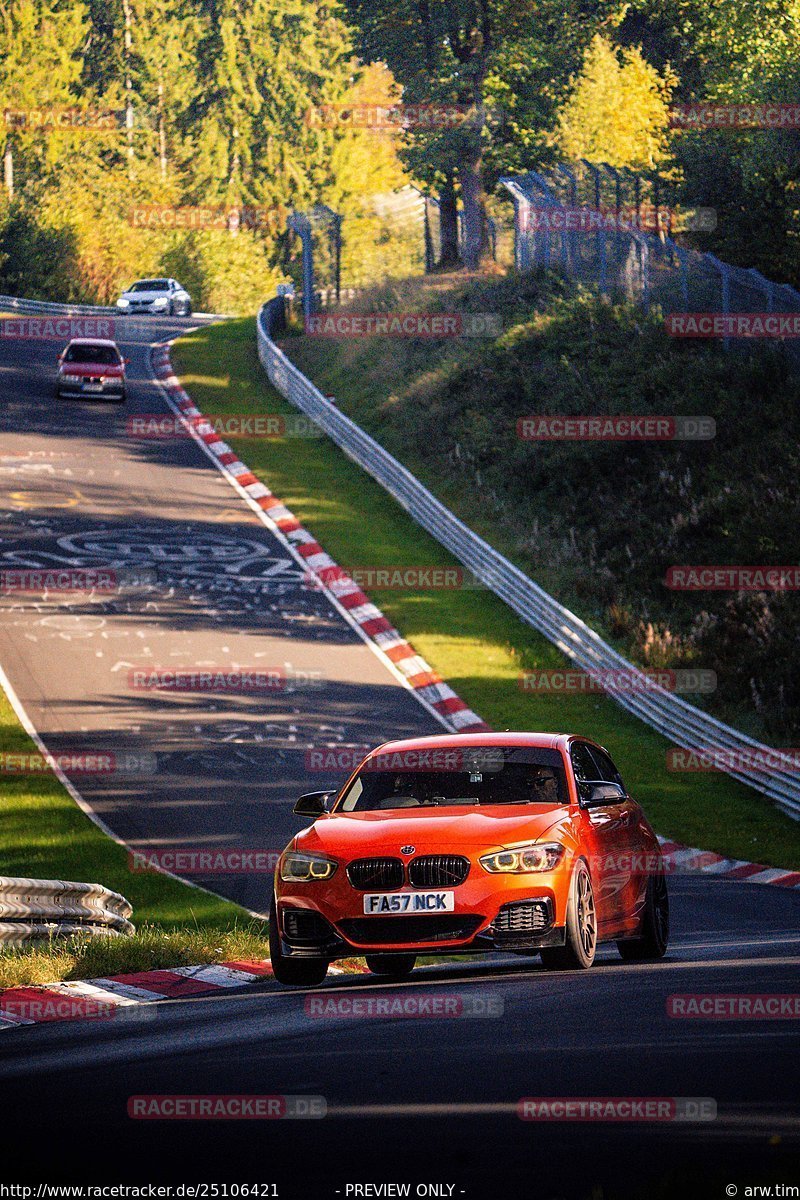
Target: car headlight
123, 302
538, 856
67, 378
306, 868
162, 302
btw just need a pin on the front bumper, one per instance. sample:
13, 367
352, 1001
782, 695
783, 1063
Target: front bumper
110, 390
517, 913
135, 308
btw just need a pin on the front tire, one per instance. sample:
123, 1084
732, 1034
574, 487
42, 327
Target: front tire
294, 972
654, 937
392, 966
581, 945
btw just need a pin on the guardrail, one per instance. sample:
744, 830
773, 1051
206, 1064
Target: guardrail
685, 725
44, 908
79, 310
68, 310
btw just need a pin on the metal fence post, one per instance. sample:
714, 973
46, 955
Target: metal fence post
521, 233
637, 193
337, 253
601, 233
763, 285
682, 256
300, 224
644, 259
428, 239
614, 173
539, 181
572, 240
725, 286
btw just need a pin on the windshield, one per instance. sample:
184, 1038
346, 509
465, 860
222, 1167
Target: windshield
151, 285
93, 354
479, 775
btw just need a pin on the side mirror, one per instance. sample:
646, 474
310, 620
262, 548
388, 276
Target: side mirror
313, 804
598, 794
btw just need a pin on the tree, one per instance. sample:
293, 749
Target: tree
40, 44
617, 111
475, 53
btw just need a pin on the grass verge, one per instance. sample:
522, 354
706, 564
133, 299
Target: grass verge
150, 949
44, 835
469, 636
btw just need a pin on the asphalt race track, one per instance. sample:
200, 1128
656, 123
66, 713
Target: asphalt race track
410, 1100
435, 1099
204, 584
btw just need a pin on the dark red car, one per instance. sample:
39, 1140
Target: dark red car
91, 368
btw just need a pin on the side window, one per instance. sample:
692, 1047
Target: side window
608, 772
582, 763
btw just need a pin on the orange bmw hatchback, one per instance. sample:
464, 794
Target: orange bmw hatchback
524, 842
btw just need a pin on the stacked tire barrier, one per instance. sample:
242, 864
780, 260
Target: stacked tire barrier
40, 909
766, 770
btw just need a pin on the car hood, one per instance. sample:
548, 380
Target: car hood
350, 835
147, 296
68, 368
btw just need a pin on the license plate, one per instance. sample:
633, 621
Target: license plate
390, 903
93, 387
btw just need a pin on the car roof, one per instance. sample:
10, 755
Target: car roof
449, 741
92, 342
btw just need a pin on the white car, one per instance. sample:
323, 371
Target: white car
164, 297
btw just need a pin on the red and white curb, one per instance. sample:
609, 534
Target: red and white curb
364, 616
102, 998
686, 860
